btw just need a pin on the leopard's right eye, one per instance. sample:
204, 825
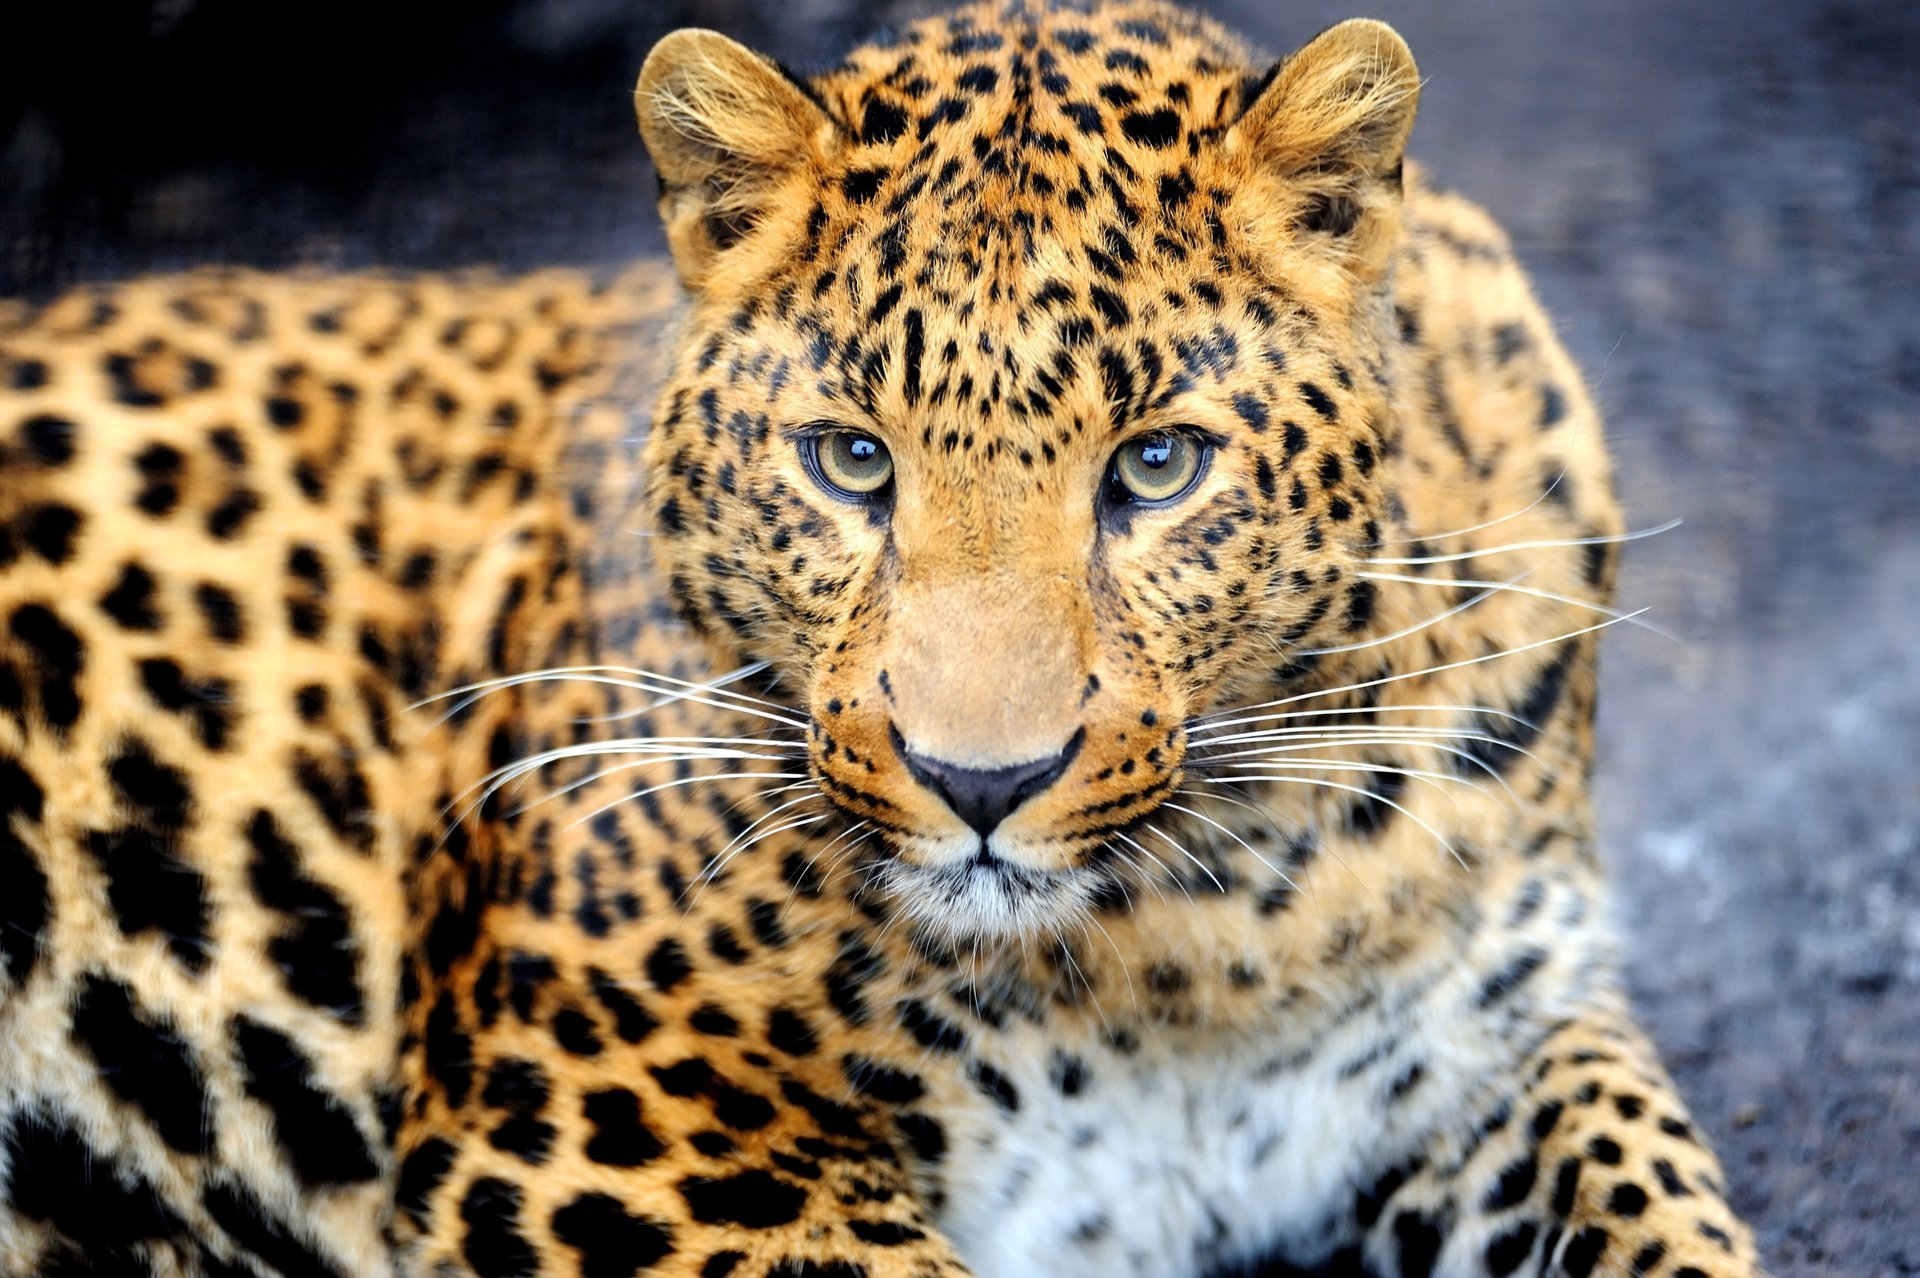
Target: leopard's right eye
849, 464
1157, 470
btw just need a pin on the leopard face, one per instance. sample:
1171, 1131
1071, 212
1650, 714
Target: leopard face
1027, 408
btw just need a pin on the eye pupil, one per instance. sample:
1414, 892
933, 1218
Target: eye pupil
1157, 452
863, 449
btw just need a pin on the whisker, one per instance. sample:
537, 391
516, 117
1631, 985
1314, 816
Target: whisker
725, 854
1066, 952
1165, 870
640, 794
1438, 780
706, 877
1340, 732
1203, 762
796, 823
1491, 523
1414, 629
834, 855
626, 798
1140, 876
1251, 851
665, 748
720, 682
666, 686
1275, 824
1200, 762
717, 684
1121, 959
1495, 587
1120, 883
1455, 665
1202, 865
657, 750
1612, 539
1206, 723
1374, 795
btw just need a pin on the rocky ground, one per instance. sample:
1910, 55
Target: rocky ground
1719, 200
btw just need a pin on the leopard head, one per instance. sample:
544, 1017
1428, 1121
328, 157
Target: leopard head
1031, 400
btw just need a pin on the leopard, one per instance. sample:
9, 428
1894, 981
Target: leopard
1019, 703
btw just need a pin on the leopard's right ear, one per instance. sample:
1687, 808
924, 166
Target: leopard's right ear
728, 129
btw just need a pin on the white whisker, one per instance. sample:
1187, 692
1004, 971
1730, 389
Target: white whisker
1066, 952
834, 856
707, 876
1202, 865
714, 685
1140, 875
1251, 851
1612, 539
1491, 523
1120, 958
667, 687
734, 844
1165, 870
1209, 723
658, 750
645, 751
1496, 587
1374, 795
1339, 732
662, 749
616, 802
1202, 763
1438, 780
1274, 823
1414, 629
640, 794
1455, 665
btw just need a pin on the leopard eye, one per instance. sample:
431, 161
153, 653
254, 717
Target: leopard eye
1157, 469
850, 464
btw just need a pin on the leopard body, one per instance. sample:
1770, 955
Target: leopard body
474, 799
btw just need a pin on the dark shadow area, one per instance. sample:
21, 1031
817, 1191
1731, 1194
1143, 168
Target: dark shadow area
1720, 203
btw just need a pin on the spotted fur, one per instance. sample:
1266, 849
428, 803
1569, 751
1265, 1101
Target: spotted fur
472, 802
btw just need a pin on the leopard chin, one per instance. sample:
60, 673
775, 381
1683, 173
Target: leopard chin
988, 895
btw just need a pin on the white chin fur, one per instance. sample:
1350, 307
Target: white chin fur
966, 899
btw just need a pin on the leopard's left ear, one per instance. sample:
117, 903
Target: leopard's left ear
1332, 122
727, 129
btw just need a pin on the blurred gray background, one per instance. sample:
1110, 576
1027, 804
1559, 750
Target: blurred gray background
1720, 203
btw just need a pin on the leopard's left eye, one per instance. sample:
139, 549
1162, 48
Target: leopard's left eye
850, 464
1157, 469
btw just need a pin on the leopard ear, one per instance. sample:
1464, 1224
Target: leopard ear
727, 129
1332, 122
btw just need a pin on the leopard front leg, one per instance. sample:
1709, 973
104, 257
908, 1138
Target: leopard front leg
612, 1110
1586, 1166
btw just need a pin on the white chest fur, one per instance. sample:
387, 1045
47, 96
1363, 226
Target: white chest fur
1187, 1156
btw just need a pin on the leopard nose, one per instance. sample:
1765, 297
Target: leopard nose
984, 797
